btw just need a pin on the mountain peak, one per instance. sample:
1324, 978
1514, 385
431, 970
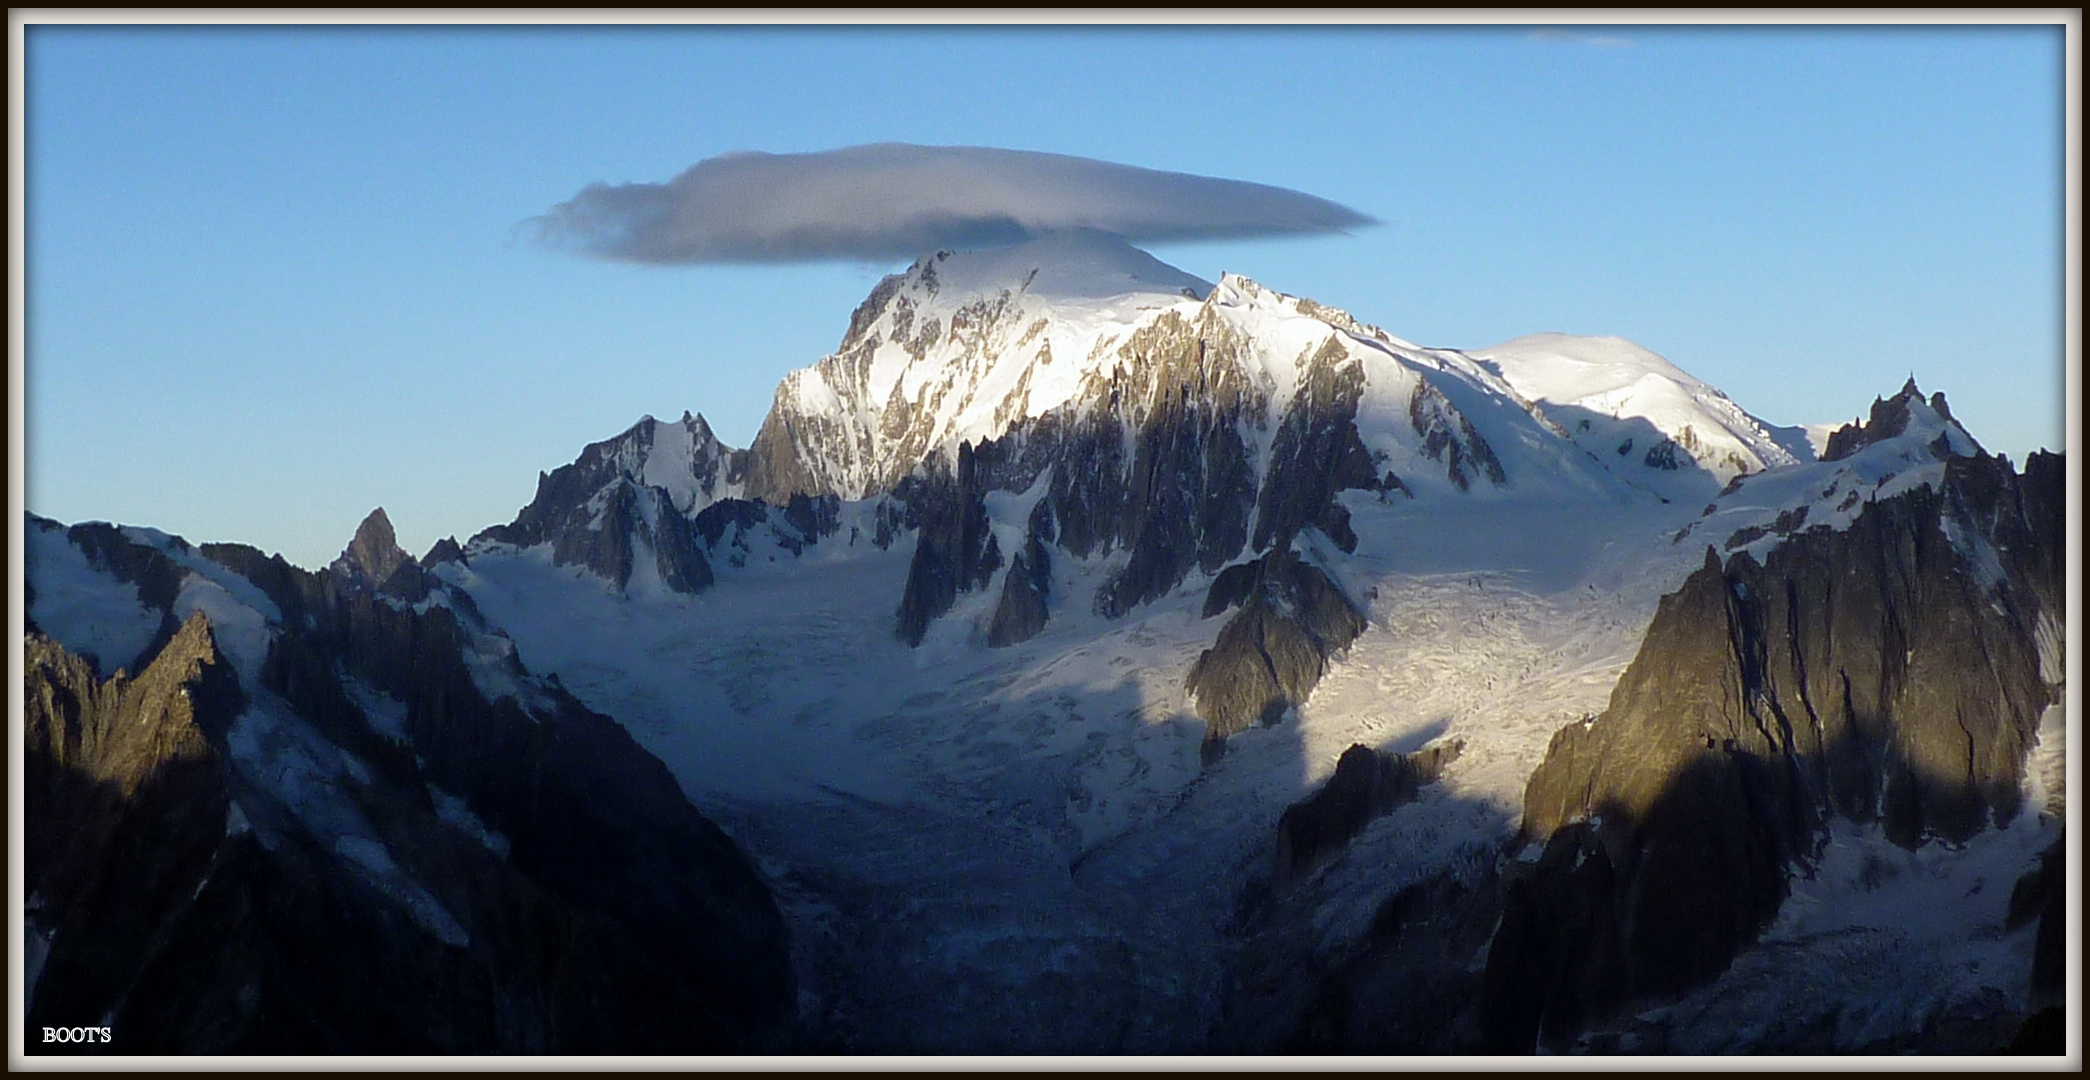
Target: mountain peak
1906, 411
374, 555
1066, 264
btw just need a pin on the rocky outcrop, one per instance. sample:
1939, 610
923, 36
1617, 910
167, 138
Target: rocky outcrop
1270, 655
445, 550
125, 806
374, 561
1887, 672
374, 555
1367, 784
1316, 451
954, 551
630, 498
1449, 437
1407, 987
392, 840
1889, 418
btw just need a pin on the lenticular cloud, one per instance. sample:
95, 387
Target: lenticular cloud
893, 200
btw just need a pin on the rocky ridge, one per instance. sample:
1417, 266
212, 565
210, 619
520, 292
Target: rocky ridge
1887, 672
361, 827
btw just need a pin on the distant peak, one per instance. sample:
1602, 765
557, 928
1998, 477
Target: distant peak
376, 521
1892, 416
374, 554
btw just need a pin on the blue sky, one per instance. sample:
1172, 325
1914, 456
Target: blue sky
274, 278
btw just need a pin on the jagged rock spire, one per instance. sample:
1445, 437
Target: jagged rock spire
374, 555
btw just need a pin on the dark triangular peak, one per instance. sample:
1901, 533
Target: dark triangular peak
445, 550
374, 555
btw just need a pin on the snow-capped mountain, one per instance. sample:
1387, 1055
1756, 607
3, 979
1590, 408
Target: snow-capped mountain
956, 349
1184, 424
1615, 398
1097, 659
969, 347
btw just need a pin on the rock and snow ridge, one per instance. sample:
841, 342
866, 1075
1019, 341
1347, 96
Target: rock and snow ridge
965, 347
1076, 353
319, 782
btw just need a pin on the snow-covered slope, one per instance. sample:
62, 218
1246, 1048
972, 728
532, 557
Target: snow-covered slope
1621, 401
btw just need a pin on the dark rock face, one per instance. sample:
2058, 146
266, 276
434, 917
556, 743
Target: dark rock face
125, 805
1316, 450
811, 517
1269, 657
1021, 613
1367, 784
713, 522
444, 550
1449, 437
1888, 672
2042, 894
1409, 988
952, 547
1183, 498
1190, 484
609, 543
1410, 985
677, 558
582, 906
